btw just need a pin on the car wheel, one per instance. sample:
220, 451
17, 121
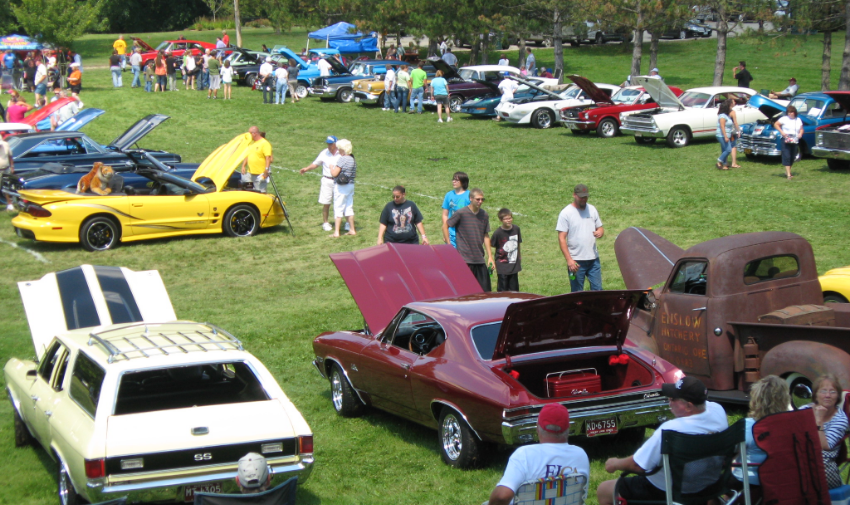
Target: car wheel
99, 234
679, 136
22, 433
683, 35
345, 95
345, 402
455, 101
542, 118
241, 221
301, 91
837, 164
645, 140
381, 99
599, 39
67, 493
250, 79
830, 298
458, 445
608, 128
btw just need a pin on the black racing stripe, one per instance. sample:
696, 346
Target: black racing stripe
119, 299
77, 302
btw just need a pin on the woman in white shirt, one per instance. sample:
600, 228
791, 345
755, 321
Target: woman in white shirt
227, 79
791, 128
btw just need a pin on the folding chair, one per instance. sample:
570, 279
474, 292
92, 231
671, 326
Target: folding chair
284, 494
562, 490
698, 468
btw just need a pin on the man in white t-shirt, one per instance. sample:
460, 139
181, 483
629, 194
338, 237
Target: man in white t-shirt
389, 88
786, 93
324, 67
578, 228
694, 415
503, 61
450, 58
553, 456
508, 87
327, 159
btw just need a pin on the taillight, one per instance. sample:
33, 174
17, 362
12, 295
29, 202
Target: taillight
34, 210
95, 468
305, 444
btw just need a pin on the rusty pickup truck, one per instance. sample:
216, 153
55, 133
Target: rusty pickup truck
734, 309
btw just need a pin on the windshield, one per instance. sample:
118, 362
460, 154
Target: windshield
691, 99
571, 92
626, 96
484, 337
808, 106
467, 74
360, 69
163, 45
15, 145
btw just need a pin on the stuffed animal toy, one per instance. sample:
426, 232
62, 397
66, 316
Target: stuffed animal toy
97, 181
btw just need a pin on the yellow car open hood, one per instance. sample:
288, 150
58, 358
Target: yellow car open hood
223, 161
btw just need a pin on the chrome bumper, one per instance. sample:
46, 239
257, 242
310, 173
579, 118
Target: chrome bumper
325, 92
575, 124
761, 146
319, 363
835, 154
643, 132
646, 414
172, 489
363, 97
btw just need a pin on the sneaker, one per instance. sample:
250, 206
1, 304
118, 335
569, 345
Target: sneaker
327, 227
411, 112
449, 120
347, 226
439, 120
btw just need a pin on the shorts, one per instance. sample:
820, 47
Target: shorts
638, 487
789, 153
343, 200
326, 191
215, 81
76, 88
41, 89
257, 180
442, 100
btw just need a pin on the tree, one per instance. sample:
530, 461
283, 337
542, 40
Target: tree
215, 6
57, 22
825, 16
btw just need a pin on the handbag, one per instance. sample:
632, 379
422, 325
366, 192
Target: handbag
342, 178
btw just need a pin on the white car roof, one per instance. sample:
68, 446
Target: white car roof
722, 89
612, 87
496, 68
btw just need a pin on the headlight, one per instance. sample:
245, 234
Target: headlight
819, 139
622, 118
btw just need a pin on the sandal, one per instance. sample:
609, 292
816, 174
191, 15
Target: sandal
725, 167
735, 166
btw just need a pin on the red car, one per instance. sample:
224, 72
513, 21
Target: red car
478, 367
177, 48
37, 115
604, 117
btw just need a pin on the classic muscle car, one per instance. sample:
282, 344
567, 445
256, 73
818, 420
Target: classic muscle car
478, 367
466, 83
833, 142
247, 74
168, 206
605, 117
681, 119
177, 48
371, 90
816, 110
131, 402
543, 110
486, 107
340, 86
835, 284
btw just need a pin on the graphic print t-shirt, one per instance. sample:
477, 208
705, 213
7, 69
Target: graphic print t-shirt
506, 242
401, 221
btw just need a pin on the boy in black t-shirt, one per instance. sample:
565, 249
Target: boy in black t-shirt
506, 239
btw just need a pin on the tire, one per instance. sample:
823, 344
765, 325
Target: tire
831, 298
241, 221
301, 91
455, 101
458, 445
250, 79
542, 118
645, 140
345, 401
23, 437
344, 95
608, 128
99, 233
600, 39
381, 99
683, 35
837, 164
67, 493
679, 136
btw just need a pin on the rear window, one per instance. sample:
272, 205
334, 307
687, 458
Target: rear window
768, 269
86, 383
484, 337
188, 386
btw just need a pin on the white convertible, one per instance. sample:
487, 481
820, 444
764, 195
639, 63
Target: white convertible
131, 402
543, 109
681, 119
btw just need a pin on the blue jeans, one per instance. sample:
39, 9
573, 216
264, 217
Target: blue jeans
401, 99
148, 86
592, 270
136, 80
116, 77
725, 149
280, 89
205, 80
389, 99
417, 93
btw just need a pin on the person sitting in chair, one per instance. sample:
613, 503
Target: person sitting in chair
694, 415
552, 457
253, 474
786, 93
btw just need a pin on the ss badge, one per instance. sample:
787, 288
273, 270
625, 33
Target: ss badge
203, 456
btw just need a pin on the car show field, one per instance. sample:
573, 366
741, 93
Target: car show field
276, 292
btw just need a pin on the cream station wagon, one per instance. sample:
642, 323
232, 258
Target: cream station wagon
131, 402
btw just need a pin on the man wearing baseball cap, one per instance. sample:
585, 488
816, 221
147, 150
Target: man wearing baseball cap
327, 159
694, 415
553, 456
253, 475
786, 93
578, 228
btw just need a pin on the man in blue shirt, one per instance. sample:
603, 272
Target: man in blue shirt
530, 63
455, 199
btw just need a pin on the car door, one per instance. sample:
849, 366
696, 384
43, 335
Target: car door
45, 390
682, 316
169, 209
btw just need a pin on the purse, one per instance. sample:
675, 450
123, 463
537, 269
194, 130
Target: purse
342, 178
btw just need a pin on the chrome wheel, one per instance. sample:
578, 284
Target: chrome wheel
336, 390
67, 493
608, 128
241, 221
301, 91
455, 102
345, 95
452, 437
679, 136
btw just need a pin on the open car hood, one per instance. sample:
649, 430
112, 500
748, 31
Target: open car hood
842, 97
659, 92
384, 278
491, 85
219, 165
645, 259
555, 96
136, 132
592, 90
337, 67
88, 296
144, 45
80, 119
448, 71
589, 318
290, 54
46, 111
767, 106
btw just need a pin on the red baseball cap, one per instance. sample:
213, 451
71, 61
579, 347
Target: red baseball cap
554, 418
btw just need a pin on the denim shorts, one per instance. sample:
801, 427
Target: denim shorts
41, 89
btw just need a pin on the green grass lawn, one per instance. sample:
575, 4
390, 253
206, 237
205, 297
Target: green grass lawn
277, 292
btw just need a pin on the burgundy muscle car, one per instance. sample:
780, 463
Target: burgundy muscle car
466, 83
479, 366
604, 117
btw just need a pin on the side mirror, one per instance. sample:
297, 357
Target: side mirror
801, 395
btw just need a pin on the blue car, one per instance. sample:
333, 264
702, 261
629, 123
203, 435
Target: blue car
486, 106
340, 86
308, 70
815, 110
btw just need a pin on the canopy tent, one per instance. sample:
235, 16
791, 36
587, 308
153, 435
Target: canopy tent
17, 42
338, 31
365, 45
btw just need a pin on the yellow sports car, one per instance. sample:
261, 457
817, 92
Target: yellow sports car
836, 285
168, 206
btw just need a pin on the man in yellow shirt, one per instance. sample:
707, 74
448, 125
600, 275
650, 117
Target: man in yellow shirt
121, 46
258, 160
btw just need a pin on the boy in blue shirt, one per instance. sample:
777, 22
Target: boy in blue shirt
455, 199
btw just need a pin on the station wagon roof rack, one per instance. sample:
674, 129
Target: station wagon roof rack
163, 339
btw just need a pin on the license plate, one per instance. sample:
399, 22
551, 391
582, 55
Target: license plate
748, 151
189, 491
638, 134
594, 427
356, 98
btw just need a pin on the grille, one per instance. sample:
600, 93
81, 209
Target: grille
639, 122
835, 140
757, 142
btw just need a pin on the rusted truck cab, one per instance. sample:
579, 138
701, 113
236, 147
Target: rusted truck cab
707, 308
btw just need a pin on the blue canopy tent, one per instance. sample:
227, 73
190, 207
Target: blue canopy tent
338, 31
365, 45
17, 42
